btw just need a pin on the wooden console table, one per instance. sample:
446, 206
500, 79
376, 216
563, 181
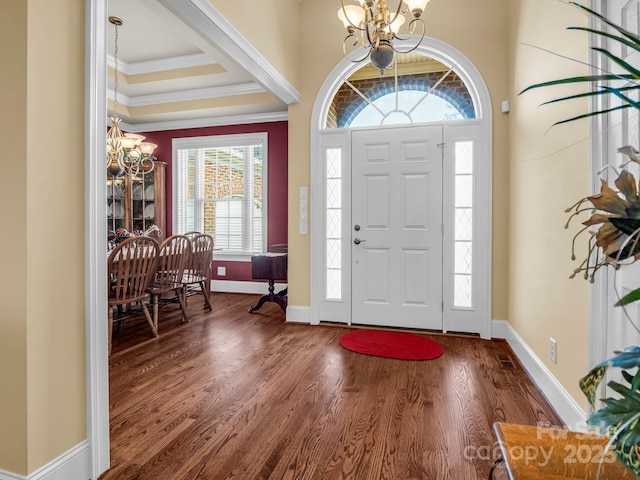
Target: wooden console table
270, 266
538, 453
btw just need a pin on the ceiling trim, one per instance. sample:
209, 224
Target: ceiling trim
206, 122
186, 95
205, 19
161, 65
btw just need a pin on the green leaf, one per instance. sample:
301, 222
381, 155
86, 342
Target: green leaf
594, 93
635, 44
629, 226
627, 66
633, 37
589, 383
592, 114
581, 79
618, 93
630, 297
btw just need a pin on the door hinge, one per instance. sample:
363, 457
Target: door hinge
442, 228
442, 304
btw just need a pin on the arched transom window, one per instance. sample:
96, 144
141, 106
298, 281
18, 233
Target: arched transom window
416, 89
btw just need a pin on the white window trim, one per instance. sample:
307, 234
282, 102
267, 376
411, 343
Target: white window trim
219, 141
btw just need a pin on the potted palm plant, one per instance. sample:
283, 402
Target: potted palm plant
613, 231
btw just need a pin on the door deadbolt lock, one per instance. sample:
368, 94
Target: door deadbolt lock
356, 227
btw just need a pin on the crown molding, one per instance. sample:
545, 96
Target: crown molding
186, 95
206, 122
161, 65
204, 18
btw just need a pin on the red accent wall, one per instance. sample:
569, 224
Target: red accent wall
277, 169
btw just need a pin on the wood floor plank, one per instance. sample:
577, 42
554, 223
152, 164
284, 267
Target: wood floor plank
239, 396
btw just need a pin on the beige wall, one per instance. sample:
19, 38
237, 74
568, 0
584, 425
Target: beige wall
272, 27
457, 22
548, 173
13, 231
42, 355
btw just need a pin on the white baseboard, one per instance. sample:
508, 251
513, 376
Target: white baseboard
565, 406
298, 314
233, 286
71, 465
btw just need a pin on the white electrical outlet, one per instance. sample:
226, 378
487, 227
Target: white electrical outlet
222, 271
553, 350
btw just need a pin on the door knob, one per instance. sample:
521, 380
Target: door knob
358, 241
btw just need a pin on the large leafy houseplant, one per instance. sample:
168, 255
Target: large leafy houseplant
613, 230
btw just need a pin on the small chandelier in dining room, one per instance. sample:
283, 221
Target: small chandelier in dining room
127, 154
375, 27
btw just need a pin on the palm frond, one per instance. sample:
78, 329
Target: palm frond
635, 45
630, 35
593, 114
580, 79
618, 61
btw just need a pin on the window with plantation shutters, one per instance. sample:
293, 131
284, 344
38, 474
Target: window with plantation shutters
219, 188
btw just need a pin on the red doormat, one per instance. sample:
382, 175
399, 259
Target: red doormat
404, 346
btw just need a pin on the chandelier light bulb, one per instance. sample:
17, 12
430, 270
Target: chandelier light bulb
352, 16
394, 27
417, 6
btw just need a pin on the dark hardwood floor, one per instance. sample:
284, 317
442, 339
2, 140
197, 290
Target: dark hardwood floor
235, 395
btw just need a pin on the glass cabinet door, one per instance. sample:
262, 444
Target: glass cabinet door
116, 204
142, 202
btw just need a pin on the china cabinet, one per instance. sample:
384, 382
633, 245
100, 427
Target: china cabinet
137, 203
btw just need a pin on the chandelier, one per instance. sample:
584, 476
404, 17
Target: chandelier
127, 154
375, 27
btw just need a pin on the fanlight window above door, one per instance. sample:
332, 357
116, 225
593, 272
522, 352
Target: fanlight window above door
421, 89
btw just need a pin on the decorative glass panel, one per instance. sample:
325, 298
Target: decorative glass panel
462, 291
334, 254
464, 158
463, 257
334, 223
463, 225
334, 284
334, 193
464, 191
333, 227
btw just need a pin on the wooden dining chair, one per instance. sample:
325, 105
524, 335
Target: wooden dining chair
131, 269
197, 274
172, 261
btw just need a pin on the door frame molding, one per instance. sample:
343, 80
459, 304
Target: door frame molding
599, 289
95, 219
482, 103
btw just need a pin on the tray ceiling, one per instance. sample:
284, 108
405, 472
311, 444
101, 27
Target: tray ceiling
170, 75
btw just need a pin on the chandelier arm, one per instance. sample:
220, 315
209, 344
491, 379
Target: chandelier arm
344, 50
147, 163
372, 39
411, 36
349, 20
398, 12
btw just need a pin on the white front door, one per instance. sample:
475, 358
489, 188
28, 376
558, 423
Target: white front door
396, 231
